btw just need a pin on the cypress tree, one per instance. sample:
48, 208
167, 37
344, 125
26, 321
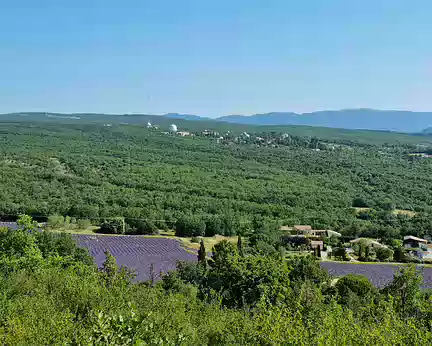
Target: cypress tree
398, 254
344, 254
202, 252
319, 251
240, 246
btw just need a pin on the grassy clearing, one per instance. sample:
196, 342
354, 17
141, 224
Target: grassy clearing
209, 242
359, 210
289, 253
87, 231
409, 213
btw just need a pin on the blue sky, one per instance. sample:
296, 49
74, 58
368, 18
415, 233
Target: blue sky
214, 57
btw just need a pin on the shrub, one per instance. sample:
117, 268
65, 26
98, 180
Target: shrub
190, 225
113, 226
358, 284
360, 202
195, 239
213, 226
55, 221
143, 227
354, 289
340, 252
83, 224
384, 254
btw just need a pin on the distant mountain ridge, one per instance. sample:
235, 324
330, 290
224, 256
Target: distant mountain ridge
351, 119
184, 116
354, 119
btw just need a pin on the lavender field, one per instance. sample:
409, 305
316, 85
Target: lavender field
379, 274
137, 253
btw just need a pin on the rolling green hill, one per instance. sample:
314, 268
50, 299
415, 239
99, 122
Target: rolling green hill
360, 136
94, 171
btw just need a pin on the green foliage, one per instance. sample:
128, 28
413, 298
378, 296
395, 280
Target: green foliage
93, 172
202, 253
190, 225
196, 240
223, 250
360, 202
306, 268
240, 246
83, 223
405, 290
58, 222
357, 285
61, 245
25, 222
214, 225
111, 274
53, 295
318, 251
247, 281
386, 204
340, 253
114, 225
116, 329
55, 221
384, 254
141, 227
399, 254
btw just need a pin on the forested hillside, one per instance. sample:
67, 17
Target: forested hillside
189, 123
94, 171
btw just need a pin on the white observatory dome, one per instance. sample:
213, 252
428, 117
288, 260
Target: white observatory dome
173, 128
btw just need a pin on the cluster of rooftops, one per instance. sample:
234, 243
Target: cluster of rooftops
306, 230
421, 247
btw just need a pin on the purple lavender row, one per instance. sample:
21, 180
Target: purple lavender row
137, 253
379, 274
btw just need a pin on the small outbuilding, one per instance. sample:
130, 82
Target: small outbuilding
414, 242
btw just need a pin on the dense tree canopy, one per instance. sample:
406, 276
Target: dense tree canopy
96, 172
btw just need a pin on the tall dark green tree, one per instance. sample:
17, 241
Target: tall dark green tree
361, 250
240, 246
398, 254
202, 252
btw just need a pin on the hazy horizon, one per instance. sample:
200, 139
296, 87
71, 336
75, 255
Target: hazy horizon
221, 115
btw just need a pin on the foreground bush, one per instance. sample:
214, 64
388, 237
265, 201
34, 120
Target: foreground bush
52, 294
